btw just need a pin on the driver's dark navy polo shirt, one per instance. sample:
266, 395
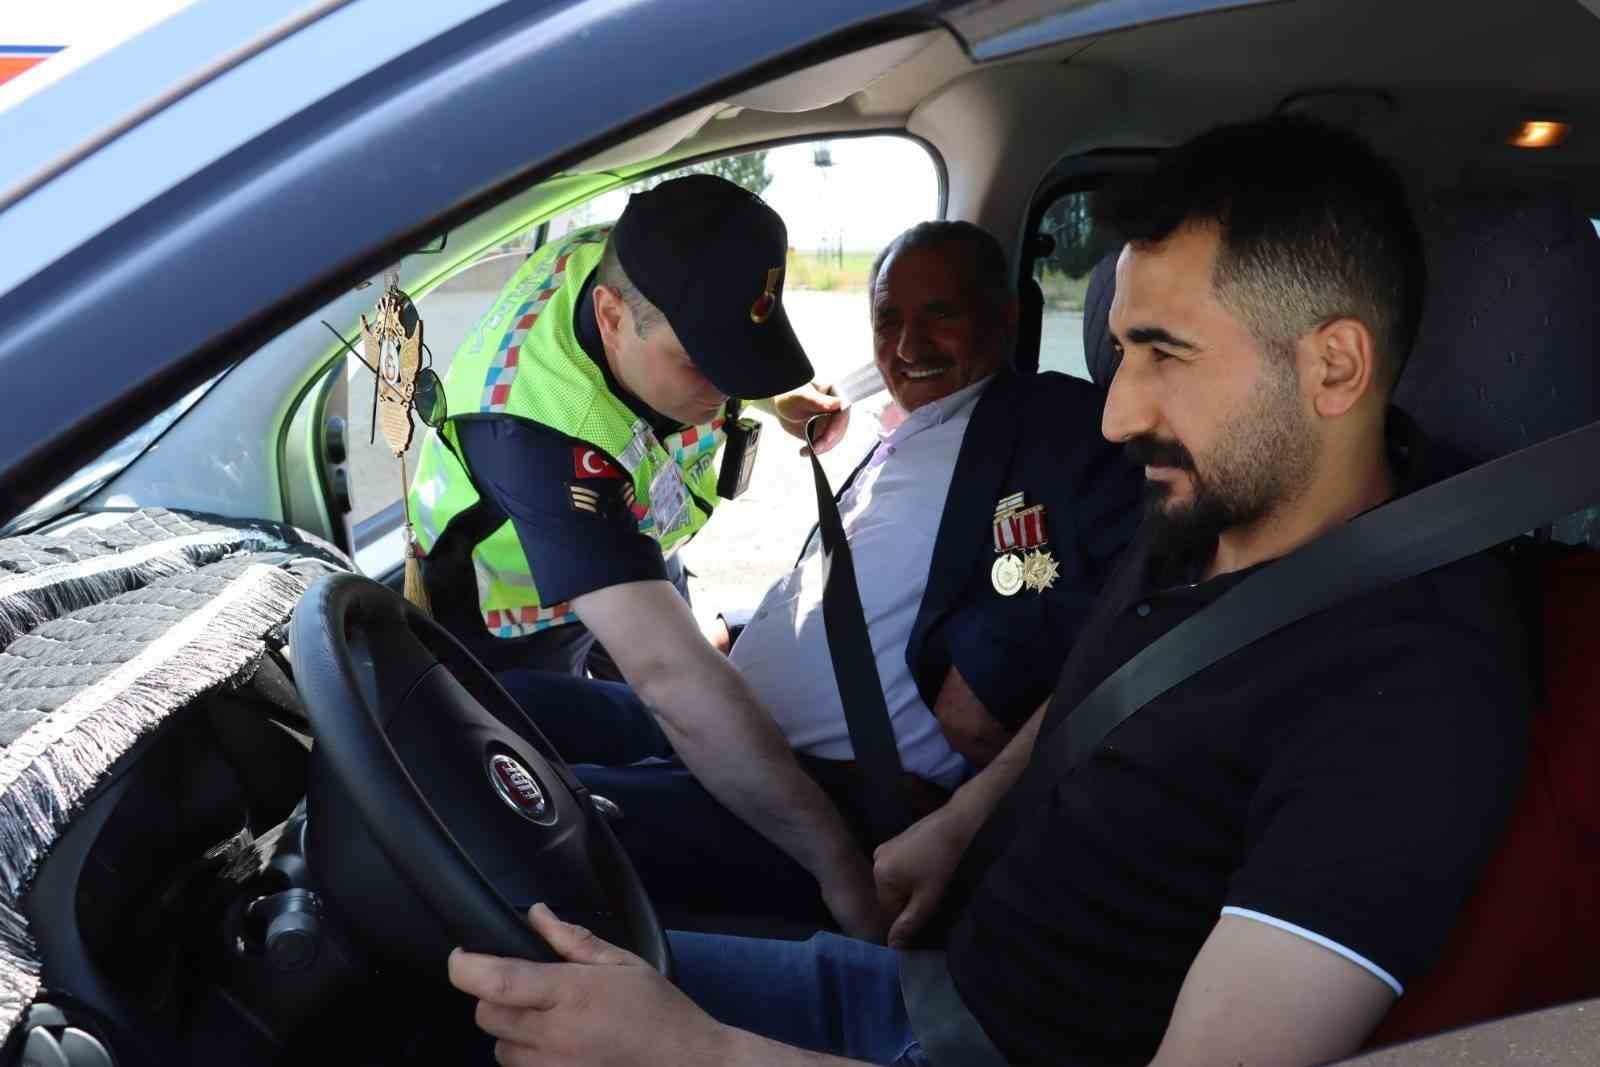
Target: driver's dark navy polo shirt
1343, 779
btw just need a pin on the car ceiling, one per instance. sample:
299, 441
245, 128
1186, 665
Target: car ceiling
1435, 84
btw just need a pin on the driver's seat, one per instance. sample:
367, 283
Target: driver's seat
1508, 355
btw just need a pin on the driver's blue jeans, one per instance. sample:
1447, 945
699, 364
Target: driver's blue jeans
830, 994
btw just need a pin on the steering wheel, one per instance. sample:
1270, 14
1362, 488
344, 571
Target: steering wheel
437, 812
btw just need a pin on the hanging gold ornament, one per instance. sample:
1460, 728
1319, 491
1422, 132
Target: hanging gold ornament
396, 359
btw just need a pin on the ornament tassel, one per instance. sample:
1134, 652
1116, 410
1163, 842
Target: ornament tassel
416, 590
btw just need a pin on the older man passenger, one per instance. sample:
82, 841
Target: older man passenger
981, 528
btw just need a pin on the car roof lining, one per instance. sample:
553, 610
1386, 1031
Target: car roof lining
1458, 85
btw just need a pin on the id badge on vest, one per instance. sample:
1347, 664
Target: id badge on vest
669, 499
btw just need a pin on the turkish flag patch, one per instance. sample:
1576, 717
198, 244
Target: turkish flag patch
592, 463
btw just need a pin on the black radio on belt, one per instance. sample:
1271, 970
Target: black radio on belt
738, 457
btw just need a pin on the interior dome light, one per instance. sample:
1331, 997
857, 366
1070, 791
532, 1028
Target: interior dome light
1539, 134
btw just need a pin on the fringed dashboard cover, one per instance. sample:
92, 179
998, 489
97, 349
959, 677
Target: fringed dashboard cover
104, 634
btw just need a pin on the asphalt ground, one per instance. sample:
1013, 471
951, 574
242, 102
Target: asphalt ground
753, 540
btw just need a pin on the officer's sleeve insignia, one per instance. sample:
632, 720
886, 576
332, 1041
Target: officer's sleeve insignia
583, 498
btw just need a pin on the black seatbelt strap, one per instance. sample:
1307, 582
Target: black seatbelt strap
1419, 532
805, 546
866, 714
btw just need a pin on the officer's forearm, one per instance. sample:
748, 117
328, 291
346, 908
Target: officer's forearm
717, 726
734, 748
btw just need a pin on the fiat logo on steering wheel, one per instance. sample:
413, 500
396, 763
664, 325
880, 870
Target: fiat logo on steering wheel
519, 789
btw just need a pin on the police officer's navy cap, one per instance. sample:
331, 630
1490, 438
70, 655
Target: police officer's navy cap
711, 256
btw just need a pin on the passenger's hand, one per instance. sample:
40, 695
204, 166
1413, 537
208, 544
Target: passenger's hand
852, 900
966, 723
796, 408
913, 870
605, 1006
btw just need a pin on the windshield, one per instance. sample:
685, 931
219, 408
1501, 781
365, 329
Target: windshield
88, 481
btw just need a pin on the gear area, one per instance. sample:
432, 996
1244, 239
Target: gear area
180, 921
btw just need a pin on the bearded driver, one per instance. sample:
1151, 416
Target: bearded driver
587, 409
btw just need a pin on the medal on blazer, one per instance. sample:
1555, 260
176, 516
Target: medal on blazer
1019, 540
1006, 574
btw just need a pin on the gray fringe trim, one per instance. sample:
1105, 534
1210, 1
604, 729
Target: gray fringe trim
37, 596
46, 774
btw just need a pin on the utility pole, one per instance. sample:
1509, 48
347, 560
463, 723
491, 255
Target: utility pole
822, 158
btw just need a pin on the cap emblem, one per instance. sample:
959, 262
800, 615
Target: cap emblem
761, 310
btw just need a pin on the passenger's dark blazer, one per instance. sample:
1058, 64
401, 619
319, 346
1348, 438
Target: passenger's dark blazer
1037, 434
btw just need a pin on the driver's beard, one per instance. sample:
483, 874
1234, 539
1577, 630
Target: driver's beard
1264, 460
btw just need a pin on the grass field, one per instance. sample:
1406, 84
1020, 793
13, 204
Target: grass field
831, 273
828, 272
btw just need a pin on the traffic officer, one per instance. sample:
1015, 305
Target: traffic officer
586, 410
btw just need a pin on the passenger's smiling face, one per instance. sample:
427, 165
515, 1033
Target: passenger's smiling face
934, 330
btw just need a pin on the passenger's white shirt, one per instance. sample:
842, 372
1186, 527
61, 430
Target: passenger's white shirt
891, 514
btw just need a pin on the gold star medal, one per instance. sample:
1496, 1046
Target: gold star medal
1039, 571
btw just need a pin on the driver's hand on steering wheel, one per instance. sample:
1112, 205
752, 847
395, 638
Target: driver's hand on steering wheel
604, 1006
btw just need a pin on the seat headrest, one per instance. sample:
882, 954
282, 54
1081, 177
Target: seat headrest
1509, 345
1510, 336
1098, 354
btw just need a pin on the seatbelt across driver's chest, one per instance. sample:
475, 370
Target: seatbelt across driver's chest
1422, 531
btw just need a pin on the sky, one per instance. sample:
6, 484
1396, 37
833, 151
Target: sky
876, 187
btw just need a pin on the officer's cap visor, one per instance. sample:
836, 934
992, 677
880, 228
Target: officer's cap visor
747, 359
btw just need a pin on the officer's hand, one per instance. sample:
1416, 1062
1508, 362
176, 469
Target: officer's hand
605, 1006
848, 891
795, 409
913, 870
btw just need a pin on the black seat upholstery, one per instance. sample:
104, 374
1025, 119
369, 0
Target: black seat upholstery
1510, 338
1098, 354
1030, 326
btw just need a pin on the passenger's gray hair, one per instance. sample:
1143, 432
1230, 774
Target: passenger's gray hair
989, 267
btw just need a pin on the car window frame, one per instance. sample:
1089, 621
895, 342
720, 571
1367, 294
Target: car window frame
1080, 173
215, 221
376, 542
